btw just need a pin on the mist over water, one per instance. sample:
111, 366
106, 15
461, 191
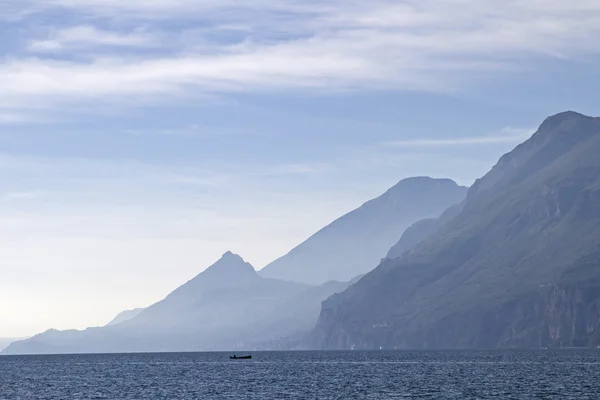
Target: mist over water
306, 375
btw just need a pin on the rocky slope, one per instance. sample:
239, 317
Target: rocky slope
228, 306
519, 266
355, 243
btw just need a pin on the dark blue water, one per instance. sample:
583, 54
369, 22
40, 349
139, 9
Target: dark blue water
306, 375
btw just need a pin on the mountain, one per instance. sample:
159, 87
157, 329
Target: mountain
422, 229
355, 243
221, 302
125, 316
228, 306
294, 318
4, 342
517, 267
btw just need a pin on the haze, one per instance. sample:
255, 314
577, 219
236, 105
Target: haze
139, 141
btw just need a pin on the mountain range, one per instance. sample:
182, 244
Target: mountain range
512, 262
227, 306
230, 305
355, 243
517, 265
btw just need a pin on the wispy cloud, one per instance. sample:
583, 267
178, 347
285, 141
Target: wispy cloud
15, 118
20, 195
165, 9
506, 135
194, 130
293, 169
87, 180
428, 45
84, 36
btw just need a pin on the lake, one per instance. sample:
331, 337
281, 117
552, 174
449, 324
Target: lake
560, 374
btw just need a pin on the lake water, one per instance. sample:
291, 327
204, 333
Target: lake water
306, 375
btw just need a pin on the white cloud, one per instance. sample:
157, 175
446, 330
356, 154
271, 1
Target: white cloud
506, 135
194, 130
83, 36
430, 45
11, 118
164, 9
20, 195
20, 118
293, 169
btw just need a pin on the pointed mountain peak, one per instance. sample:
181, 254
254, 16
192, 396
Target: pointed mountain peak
230, 266
228, 255
229, 271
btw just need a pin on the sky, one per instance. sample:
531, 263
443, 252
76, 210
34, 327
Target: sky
141, 139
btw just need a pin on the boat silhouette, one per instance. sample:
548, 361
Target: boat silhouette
234, 357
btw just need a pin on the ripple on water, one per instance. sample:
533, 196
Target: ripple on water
306, 375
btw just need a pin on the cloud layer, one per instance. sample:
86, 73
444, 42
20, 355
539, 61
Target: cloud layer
84, 36
506, 135
215, 47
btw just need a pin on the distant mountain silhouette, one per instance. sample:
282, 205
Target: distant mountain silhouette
4, 342
513, 263
125, 316
226, 296
227, 306
421, 230
355, 243
517, 266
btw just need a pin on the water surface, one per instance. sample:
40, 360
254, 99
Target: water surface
306, 375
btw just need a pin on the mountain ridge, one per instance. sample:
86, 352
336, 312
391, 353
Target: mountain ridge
355, 243
515, 268
226, 306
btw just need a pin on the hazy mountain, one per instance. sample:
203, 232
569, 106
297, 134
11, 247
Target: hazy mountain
301, 312
421, 230
519, 266
125, 316
225, 307
355, 243
4, 342
226, 298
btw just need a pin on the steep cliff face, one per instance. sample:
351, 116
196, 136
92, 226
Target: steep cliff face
555, 316
515, 268
572, 315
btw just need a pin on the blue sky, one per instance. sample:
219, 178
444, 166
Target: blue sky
139, 140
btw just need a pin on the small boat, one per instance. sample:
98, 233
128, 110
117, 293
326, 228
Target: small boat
234, 357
